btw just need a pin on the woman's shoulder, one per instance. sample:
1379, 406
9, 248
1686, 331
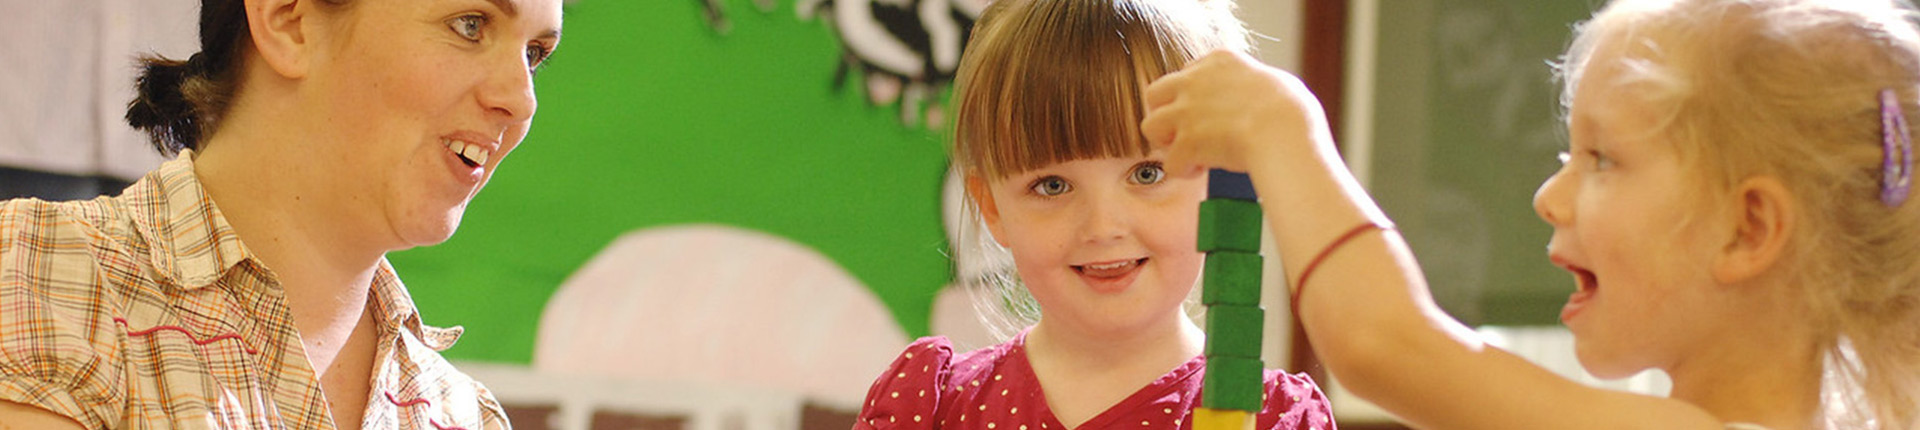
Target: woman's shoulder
52, 256
41, 224
70, 242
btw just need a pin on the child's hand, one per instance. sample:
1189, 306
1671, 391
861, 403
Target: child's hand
1229, 111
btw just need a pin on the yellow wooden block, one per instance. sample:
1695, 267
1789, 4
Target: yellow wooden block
1221, 419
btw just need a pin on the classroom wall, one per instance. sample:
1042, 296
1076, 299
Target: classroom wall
651, 117
726, 215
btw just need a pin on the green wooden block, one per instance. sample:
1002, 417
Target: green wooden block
1229, 225
1234, 331
1232, 278
1233, 383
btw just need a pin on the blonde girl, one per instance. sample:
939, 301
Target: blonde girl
1733, 208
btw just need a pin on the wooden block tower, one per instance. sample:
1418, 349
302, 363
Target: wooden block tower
1230, 235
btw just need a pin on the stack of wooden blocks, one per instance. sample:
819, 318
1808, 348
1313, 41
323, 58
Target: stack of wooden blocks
1230, 235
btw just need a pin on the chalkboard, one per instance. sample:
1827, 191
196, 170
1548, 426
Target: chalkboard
1466, 126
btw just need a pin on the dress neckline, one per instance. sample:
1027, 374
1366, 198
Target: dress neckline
1141, 397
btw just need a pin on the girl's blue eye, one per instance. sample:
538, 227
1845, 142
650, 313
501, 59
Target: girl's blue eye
1051, 186
1147, 173
468, 26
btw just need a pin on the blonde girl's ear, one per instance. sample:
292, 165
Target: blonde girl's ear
280, 35
1764, 220
989, 210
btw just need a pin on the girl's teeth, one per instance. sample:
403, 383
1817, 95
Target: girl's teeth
1110, 266
458, 147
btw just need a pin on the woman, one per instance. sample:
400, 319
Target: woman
244, 284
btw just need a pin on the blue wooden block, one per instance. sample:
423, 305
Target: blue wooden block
1223, 184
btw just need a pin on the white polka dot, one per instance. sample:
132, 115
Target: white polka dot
1023, 427
1143, 423
926, 367
916, 418
1003, 391
896, 394
996, 377
889, 419
909, 355
901, 375
963, 418
1169, 411
1015, 411
976, 383
991, 425
983, 408
923, 393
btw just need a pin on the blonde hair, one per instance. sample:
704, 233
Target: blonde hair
1789, 89
1049, 81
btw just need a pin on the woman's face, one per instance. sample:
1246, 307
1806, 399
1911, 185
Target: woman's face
420, 100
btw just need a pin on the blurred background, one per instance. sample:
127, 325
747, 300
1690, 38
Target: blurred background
731, 214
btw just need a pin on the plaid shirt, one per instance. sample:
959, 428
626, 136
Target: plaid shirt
146, 312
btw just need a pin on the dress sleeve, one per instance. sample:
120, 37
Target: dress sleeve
907, 394
51, 335
1294, 402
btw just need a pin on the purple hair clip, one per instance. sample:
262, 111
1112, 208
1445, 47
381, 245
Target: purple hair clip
1896, 176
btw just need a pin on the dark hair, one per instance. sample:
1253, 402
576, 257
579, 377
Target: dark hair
178, 102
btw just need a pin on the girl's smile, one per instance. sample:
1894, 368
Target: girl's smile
1104, 245
1110, 277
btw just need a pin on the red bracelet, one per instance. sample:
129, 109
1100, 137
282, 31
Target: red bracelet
1301, 286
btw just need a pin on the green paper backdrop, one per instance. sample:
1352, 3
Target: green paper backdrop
649, 117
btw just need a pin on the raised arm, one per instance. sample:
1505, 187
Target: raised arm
1367, 310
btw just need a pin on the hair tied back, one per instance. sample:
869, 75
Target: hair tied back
160, 106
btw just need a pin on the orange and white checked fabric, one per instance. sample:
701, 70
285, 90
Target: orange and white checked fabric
145, 311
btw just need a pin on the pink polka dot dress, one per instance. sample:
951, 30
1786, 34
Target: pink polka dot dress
994, 388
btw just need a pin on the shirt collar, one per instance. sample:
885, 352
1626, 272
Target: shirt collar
189, 241
394, 306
